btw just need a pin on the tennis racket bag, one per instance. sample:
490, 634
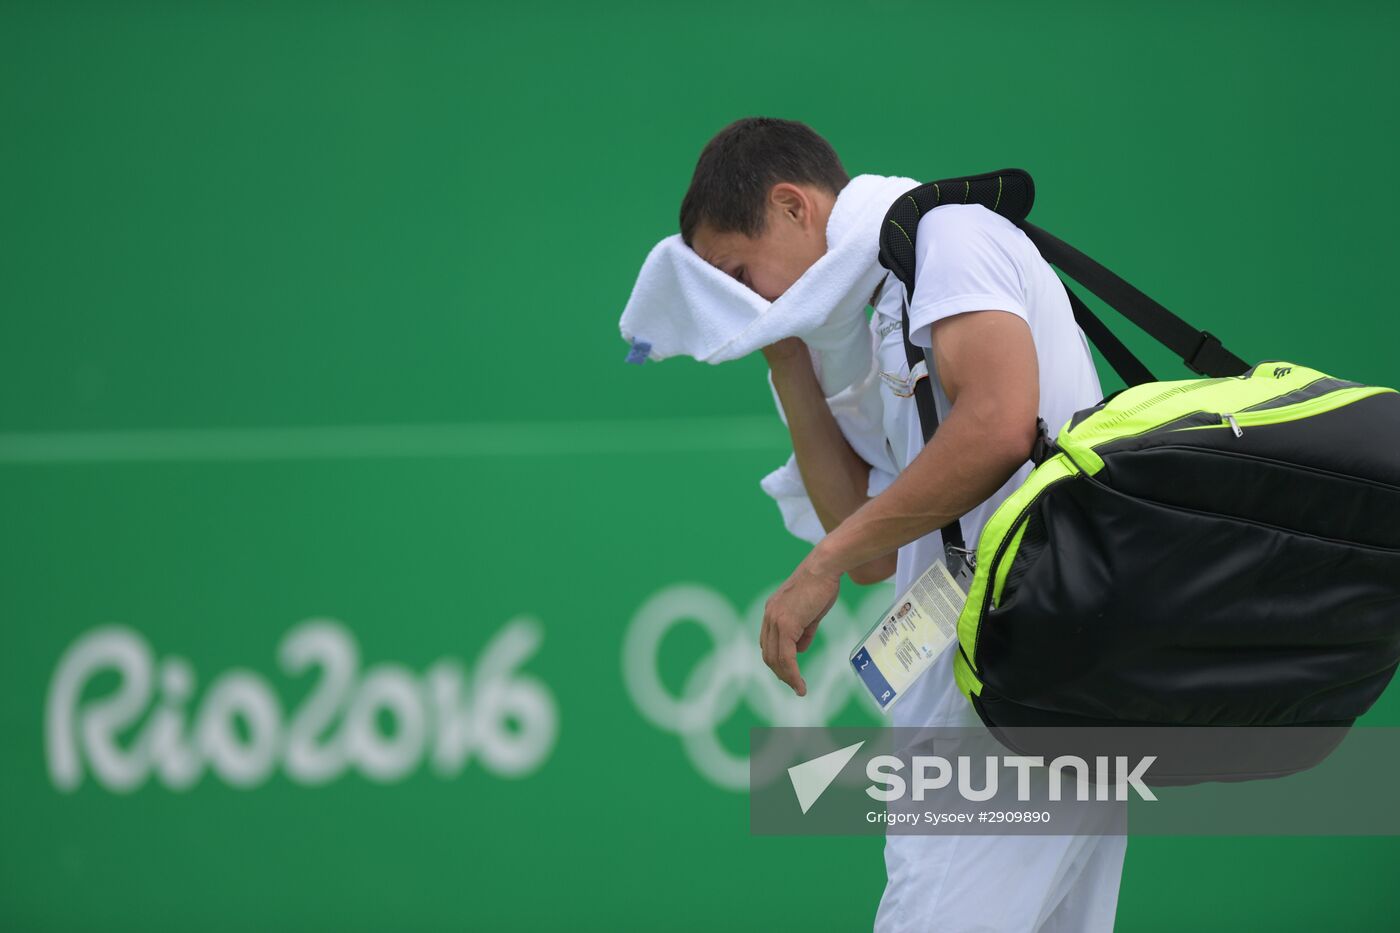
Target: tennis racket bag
1218, 551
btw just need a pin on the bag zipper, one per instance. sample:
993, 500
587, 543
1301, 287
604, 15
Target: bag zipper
1238, 420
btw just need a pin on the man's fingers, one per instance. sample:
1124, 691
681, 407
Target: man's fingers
765, 637
780, 650
808, 634
786, 668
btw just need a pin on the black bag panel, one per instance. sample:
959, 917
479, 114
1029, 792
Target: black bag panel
1250, 487
1359, 440
1263, 754
1278, 685
1138, 611
1033, 541
1062, 581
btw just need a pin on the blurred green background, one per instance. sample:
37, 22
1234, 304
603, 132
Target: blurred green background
308, 312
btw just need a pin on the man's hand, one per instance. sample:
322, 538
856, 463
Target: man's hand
790, 619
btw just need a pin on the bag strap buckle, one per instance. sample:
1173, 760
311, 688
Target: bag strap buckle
1044, 447
1208, 352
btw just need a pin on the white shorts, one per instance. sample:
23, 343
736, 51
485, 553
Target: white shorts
992, 884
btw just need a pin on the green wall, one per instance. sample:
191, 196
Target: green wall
308, 312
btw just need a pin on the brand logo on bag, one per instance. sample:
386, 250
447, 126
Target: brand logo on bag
1281, 371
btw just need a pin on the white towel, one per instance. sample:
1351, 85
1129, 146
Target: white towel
683, 306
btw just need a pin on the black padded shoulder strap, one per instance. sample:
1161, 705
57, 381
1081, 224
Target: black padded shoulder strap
1010, 192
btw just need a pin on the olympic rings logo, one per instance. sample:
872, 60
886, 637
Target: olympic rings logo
732, 673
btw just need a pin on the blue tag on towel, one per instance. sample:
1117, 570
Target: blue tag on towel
639, 351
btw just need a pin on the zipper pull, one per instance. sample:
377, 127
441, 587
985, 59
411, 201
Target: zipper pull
1234, 425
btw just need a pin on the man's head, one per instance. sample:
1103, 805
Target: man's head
759, 201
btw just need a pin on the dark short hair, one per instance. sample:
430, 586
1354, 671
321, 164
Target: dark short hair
737, 169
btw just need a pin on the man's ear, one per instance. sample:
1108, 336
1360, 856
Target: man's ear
791, 201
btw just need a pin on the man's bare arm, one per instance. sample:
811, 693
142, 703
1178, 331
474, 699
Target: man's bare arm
987, 363
836, 477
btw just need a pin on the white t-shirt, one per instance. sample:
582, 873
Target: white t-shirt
971, 259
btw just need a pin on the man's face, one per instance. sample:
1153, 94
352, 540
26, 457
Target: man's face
793, 238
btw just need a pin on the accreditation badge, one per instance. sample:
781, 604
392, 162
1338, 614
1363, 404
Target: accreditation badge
907, 639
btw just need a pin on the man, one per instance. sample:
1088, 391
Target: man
1004, 349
